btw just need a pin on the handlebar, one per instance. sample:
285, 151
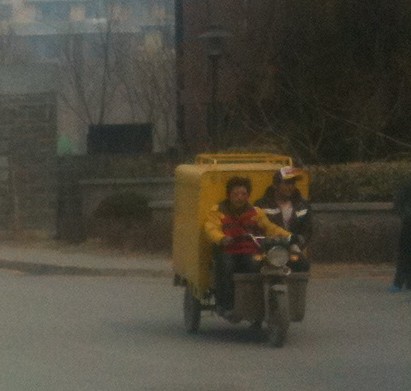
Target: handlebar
265, 242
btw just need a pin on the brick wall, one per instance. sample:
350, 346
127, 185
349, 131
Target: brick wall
28, 164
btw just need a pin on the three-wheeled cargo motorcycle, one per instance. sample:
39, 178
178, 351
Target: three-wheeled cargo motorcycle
272, 298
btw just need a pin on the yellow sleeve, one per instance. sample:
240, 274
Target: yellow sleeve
270, 228
213, 225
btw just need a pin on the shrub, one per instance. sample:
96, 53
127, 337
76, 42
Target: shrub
358, 182
122, 221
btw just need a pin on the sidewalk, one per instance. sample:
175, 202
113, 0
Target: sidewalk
53, 257
92, 259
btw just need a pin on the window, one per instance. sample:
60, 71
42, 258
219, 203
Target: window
45, 48
53, 12
5, 11
95, 10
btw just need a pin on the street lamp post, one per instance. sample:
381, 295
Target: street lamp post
214, 38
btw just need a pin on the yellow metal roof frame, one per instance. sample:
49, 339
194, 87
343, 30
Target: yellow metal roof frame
227, 158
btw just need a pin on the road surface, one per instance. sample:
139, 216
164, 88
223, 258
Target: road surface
118, 334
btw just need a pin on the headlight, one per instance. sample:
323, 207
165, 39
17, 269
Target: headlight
277, 256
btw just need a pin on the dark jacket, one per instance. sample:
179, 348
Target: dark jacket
301, 218
402, 202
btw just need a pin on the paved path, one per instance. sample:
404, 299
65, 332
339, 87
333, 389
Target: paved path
51, 257
90, 258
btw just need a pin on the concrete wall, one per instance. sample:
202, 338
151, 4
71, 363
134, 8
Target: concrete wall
84, 181
352, 232
94, 191
356, 232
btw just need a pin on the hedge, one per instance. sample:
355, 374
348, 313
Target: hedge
358, 182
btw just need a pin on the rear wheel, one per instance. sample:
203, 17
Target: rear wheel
279, 318
192, 312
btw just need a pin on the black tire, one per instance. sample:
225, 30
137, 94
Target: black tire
192, 312
279, 318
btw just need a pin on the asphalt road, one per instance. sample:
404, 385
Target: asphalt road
114, 333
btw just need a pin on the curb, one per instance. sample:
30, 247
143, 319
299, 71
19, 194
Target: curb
318, 270
47, 269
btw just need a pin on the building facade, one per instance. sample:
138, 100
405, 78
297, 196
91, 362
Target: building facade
113, 61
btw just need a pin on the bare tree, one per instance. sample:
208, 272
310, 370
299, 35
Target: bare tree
115, 68
148, 86
314, 90
87, 73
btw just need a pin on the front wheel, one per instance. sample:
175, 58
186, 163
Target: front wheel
278, 318
192, 312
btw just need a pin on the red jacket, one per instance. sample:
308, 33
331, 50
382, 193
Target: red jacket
222, 223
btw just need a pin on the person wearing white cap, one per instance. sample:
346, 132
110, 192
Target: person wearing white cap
285, 206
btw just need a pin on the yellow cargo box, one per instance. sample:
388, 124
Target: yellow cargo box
198, 187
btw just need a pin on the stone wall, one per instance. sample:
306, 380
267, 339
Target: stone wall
28, 190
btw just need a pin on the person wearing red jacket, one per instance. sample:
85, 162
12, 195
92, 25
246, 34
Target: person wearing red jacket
228, 226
